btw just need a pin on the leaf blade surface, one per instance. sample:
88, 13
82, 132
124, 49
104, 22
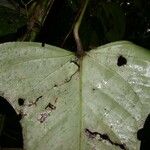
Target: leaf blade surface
99, 105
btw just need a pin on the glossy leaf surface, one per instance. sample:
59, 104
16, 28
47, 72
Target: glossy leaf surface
98, 102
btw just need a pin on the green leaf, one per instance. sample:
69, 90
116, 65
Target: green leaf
99, 105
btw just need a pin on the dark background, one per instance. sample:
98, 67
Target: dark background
104, 21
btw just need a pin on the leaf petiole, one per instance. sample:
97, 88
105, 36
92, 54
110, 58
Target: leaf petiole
80, 51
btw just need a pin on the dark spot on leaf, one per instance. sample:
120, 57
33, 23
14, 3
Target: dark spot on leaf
21, 101
144, 135
38, 98
121, 61
51, 106
43, 44
90, 134
56, 99
104, 136
55, 85
93, 89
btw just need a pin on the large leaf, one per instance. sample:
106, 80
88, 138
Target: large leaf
98, 102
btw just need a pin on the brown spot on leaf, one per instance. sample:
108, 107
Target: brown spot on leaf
43, 117
51, 106
104, 136
35, 102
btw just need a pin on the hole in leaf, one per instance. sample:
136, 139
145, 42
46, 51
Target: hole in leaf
144, 134
10, 127
55, 85
121, 61
43, 44
103, 136
93, 89
21, 101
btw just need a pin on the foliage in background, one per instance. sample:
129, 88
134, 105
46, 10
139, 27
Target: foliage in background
10, 21
104, 21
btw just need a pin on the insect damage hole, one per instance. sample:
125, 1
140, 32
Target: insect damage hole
143, 134
43, 44
21, 101
105, 137
121, 61
11, 130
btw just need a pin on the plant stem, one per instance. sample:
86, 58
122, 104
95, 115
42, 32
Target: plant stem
80, 51
73, 24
